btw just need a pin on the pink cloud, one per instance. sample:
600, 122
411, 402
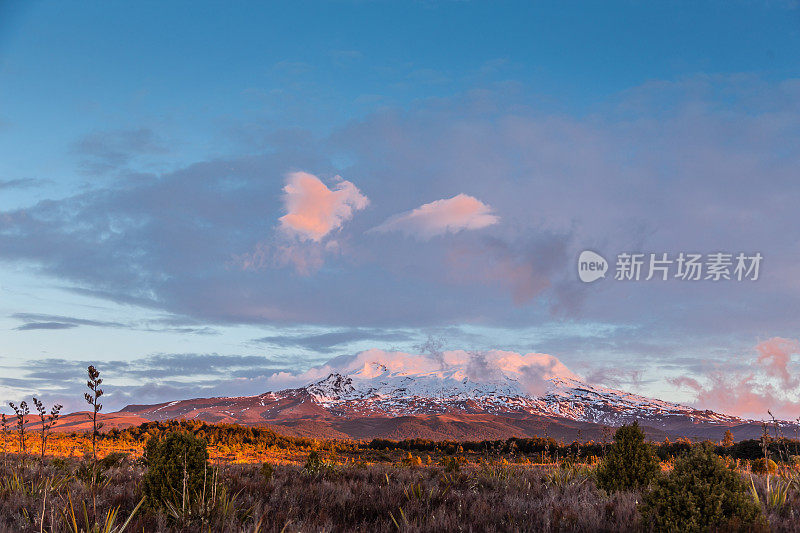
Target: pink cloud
774, 355
744, 396
313, 210
449, 215
531, 370
745, 393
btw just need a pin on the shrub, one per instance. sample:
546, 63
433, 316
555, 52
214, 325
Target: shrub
176, 468
59, 463
316, 465
630, 463
701, 493
111, 460
764, 466
451, 464
267, 471
411, 460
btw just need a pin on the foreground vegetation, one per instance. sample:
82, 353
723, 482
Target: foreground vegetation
187, 476
231, 443
395, 486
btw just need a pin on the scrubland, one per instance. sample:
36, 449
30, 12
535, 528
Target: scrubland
260, 481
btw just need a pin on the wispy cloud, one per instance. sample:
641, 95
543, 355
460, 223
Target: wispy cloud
34, 318
21, 183
155, 378
775, 355
34, 321
45, 325
746, 390
104, 151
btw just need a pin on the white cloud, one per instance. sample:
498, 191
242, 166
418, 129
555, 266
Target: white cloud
449, 215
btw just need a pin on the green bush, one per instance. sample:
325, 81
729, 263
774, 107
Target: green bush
630, 464
699, 494
176, 468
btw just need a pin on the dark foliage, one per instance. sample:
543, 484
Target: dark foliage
538, 448
764, 466
489, 497
177, 469
630, 463
702, 494
753, 449
217, 434
267, 471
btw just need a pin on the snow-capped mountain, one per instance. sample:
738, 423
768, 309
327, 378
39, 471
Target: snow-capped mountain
387, 393
460, 396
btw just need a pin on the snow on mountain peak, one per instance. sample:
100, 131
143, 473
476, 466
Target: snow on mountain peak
396, 383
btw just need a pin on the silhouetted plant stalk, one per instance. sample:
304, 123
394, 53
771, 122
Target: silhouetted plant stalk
4, 422
92, 398
46, 421
21, 411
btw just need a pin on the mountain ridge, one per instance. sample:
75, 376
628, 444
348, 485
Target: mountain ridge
466, 400
378, 394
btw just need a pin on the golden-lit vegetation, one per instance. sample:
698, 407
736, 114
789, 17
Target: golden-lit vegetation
258, 480
182, 476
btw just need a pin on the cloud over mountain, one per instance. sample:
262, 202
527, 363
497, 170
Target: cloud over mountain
530, 369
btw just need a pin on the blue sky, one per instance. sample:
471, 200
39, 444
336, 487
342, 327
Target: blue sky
450, 160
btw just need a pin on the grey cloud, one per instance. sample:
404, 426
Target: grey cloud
661, 177
163, 324
45, 325
524, 267
328, 342
479, 368
21, 183
158, 377
199, 364
111, 150
68, 321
